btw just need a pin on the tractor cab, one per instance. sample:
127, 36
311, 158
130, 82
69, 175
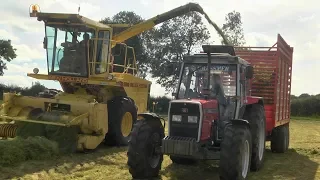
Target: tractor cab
217, 74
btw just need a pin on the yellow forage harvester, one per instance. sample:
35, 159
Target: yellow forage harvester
102, 92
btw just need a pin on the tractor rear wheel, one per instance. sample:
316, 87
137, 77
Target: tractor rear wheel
256, 116
144, 151
235, 156
122, 114
179, 160
280, 139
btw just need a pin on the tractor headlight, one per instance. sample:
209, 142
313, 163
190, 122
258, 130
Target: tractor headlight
176, 118
192, 119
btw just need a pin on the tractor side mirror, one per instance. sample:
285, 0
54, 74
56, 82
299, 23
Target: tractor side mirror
45, 41
249, 72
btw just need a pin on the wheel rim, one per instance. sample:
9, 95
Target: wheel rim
154, 156
261, 141
126, 124
245, 159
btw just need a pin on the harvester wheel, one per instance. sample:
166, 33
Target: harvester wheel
144, 153
280, 139
179, 160
257, 120
122, 116
235, 156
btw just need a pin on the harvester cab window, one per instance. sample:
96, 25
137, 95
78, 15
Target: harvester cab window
102, 55
67, 50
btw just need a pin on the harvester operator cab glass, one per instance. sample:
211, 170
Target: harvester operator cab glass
194, 81
67, 49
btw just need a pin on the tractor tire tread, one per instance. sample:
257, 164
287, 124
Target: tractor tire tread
254, 115
230, 157
139, 166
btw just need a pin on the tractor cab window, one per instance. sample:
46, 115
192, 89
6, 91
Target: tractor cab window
67, 49
195, 78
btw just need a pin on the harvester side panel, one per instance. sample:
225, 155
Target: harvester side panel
272, 78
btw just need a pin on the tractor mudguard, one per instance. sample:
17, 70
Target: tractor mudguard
149, 116
240, 122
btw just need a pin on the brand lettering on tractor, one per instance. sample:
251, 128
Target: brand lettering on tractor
68, 79
216, 68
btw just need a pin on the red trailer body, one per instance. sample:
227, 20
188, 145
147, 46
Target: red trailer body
272, 79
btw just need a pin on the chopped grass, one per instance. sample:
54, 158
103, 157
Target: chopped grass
300, 162
17, 150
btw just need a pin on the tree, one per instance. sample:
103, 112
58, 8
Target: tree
137, 42
7, 53
233, 30
172, 40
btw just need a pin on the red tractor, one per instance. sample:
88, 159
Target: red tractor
228, 103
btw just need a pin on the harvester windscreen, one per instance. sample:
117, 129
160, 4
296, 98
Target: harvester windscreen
195, 76
67, 49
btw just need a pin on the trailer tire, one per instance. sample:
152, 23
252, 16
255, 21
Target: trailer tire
180, 160
235, 155
280, 139
256, 116
144, 153
120, 109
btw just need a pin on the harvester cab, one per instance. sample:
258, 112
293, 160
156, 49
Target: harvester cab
81, 48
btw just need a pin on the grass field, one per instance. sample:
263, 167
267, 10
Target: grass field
300, 162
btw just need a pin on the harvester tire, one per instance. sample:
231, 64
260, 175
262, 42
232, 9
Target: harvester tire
235, 155
144, 153
180, 160
117, 108
256, 116
280, 139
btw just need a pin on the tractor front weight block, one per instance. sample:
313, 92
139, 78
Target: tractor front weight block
188, 148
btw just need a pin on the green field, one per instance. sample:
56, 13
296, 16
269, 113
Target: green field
300, 162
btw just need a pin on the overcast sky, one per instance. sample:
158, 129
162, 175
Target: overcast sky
297, 21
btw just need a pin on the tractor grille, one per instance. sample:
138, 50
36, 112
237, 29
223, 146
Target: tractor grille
184, 128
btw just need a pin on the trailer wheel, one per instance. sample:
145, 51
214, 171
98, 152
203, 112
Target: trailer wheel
144, 153
179, 160
257, 120
122, 115
280, 139
235, 157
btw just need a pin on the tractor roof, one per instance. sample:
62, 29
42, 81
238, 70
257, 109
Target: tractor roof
216, 58
69, 18
220, 54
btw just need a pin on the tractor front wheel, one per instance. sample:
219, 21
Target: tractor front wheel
235, 156
144, 151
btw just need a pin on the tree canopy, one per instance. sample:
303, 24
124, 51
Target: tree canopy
233, 30
7, 53
171, 41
